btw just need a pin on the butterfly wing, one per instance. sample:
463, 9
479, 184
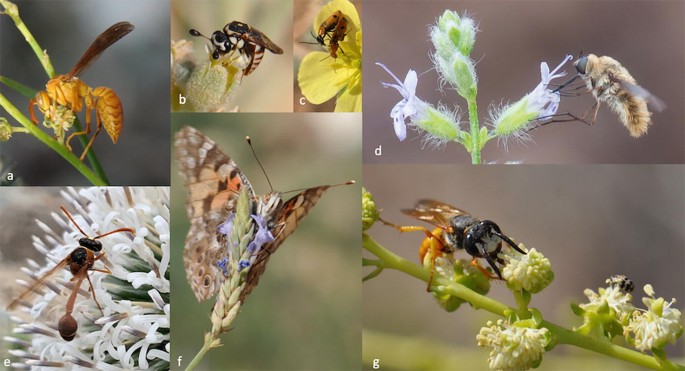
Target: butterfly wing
213, 181
285, 219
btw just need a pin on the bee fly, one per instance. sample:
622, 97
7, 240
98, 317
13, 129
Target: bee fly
248, 41
458, 230
610, 82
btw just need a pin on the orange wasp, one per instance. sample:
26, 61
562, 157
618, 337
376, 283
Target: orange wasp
457, 230
71, 92
79, 261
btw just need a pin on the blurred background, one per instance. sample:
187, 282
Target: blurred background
305, 313
647, 37
135, 67
590, 221
269, 87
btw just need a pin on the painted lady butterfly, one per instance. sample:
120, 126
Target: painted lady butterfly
213, 181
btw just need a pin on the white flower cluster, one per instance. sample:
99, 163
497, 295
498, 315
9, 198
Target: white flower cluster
134, 331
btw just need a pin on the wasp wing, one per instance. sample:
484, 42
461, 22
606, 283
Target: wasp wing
102, 42
33, 289
261, 39
435, 212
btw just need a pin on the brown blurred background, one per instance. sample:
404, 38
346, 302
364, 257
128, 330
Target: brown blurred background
590, 221
647, 37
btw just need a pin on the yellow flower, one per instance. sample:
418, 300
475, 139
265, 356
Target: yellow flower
322, 77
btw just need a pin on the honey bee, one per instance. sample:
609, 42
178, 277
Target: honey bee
81, 260
248, 41
458, 230
71, 92
610, 82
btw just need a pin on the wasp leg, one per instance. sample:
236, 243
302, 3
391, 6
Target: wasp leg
491, 262
92, 139
32, 103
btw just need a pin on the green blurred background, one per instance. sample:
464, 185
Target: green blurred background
305, 313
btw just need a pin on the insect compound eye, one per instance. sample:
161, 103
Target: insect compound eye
581, 65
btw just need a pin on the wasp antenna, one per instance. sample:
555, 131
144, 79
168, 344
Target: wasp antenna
509, 241
73, 221
249, 142
196, 33
130, 230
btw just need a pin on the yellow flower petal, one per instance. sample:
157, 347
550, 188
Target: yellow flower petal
348, 102
344, 6
319, 81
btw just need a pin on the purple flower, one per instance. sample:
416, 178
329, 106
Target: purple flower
408, 106
226, 227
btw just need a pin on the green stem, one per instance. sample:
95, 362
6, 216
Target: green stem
198, 357
12, 11
50, 142
565, 336
393, 261
475, 131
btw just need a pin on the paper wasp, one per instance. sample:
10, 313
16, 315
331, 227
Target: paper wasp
457, 230
81, 260
248, 41
71, 92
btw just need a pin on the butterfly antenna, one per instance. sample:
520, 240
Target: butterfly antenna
249, 142
349, 182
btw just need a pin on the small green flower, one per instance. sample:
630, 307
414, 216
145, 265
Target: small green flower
531, 272
607, 311
453, 38
5, 130
369, 212
458, 271
515, 346
655, 327
322, 77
